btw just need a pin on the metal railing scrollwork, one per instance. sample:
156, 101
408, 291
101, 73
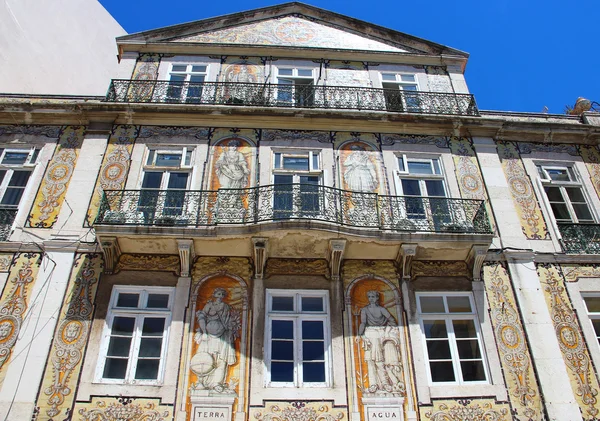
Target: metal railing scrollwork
580, 238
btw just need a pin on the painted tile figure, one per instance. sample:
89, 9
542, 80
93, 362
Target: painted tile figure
359, 172
231, 167
380, 342
218, 326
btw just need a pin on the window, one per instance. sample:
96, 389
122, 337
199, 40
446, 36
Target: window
296, 179
133, 348
422, 178
452, 338
592, 305
295, 87
166, 178
565, 195
400, 92
297, 339
14, 174
186, 83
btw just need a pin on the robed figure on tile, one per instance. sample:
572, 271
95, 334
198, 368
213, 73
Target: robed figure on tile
218, 327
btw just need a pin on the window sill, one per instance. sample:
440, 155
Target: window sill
463, 390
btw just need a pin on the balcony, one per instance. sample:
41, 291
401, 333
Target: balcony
7, 217
292, 202
580, 238
300, 96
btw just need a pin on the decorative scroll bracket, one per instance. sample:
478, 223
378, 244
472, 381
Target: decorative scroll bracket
405, 255
260, 256
476, 258
186, 256
112, 252
335, 256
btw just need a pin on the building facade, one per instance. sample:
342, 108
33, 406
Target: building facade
290, 214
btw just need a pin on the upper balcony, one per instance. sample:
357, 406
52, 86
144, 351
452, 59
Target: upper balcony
580, 238
284, 95
288, 202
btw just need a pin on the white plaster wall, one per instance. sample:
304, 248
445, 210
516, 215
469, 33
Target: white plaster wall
57, 47
25, 369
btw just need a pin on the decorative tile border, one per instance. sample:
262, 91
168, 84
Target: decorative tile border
122, 409
571, 342
532, 221
59, 383
298, 411
466, 410
591, 157
515, 356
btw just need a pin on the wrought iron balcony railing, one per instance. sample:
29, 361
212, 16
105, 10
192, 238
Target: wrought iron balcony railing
580, 238
303, 96
7, 217
282, 202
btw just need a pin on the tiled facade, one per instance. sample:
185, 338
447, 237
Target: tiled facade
297, 216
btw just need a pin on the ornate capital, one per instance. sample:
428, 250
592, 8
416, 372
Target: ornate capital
476, 258
260, 255
186, 256
405, 256
335, 256
112, 252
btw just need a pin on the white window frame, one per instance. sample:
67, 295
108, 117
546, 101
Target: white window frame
400, 173
139, 313
408, 102
592, 315
448, 317
187, 74
294, 78
574, 182
297, 316
28, 165
402, 84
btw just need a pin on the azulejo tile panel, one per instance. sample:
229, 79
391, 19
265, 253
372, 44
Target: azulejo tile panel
532, 221
466, 410
591, 157
115, 165
146, 262
470, 181
59, 383
146, 67
572, 345
523, 389
15, 303
572, 272
52, 191
122, 409
298, 411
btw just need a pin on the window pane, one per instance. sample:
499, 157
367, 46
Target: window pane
188, 157
315, 159
388, 77
558, 174
554, 194
583, 213
459, 304
199, 69
147, 370
15, 158
286, 72
401, 164
305, 72
468, 349
410, 99
561, 213
282, 350
118, 347
592, 304
150, 160
282, 304
596, 324
435, 329
179, 67
464, 328
419, 167
115, 368
152, 180
407, 78
472, 371
432, 304
435, 188
438, 350
282, 372
158, 301
178, 180
277, 160
312, 329
19, 178
150, 347
411, 187
312, 303
313, 372
12, 196
441, 371
123, 326
436, 166
2, 174
282, 329
168, 159
153, 326
575, 194
313, 350
128, 300
295, 163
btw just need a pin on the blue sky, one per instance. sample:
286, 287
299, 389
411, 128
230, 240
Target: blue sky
525, 54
